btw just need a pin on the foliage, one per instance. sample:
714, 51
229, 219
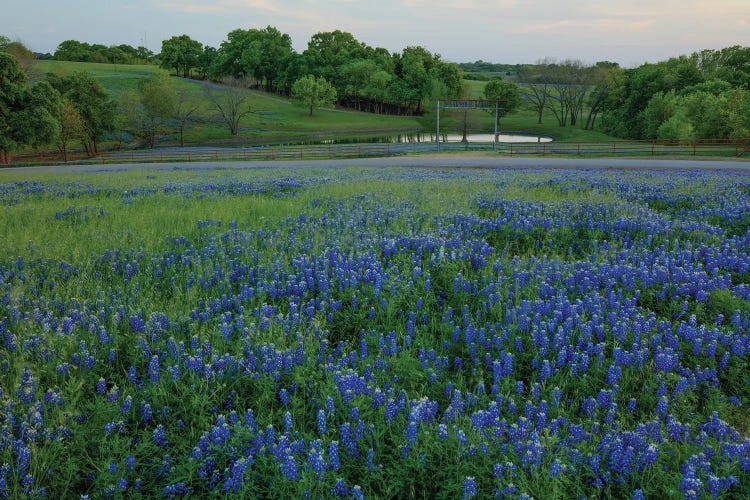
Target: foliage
312, 92
94, 106
158, 98
181, 53
27, 112
73, 50
701, 89
507, 93
72, 127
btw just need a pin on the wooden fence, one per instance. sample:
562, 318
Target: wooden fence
727, 148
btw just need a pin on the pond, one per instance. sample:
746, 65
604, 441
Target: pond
420, 137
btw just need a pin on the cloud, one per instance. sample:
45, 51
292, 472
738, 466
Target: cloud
603, 24
219, 6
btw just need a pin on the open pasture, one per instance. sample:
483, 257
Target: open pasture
375, 333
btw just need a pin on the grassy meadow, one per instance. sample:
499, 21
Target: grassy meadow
374, 333
275, 119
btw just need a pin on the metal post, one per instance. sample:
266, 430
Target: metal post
437, 131
494, 138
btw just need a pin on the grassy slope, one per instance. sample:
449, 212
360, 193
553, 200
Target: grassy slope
277, 119
274, 118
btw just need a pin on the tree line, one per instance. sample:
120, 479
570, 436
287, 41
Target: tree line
73, 50
364, 78
703, 95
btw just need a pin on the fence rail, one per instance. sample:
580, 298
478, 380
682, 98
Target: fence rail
736, 148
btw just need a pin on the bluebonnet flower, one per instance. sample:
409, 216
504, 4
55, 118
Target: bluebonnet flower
289, 467
160, 436
470, 488
321, 421
333, 455
153, 369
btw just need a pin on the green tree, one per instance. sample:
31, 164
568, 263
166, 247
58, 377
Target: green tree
265, 51
507, 93
158, 97
328, 52
207, 63
71, 127
180, 53
28, 114
676, 128
96, 108
660, 108
738, 113
312, 92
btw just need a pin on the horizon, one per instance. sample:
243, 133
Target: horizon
631, 33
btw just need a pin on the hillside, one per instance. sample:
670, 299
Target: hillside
274, 118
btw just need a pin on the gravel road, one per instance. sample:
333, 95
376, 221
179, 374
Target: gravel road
424, 161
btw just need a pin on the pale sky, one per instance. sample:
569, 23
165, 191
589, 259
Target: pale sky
629, 32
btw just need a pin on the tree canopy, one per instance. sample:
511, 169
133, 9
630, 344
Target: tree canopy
28, 113
686, 97
312, 92
180, 53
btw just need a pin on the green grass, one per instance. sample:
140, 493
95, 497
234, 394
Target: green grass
274, 118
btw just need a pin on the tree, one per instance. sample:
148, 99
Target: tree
313, 92
180, 53
230, 102
185, 106
604, 76
25, 58
413, 69
536, 89
206, 64
96, 108
266, 49
505, 92
144, 54
738, 113
660, 108
159, 100
328, 52
28, 114
71, 127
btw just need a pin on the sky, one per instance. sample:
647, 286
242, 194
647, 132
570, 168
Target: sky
630, 32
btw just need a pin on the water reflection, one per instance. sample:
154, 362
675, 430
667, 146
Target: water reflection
426, 138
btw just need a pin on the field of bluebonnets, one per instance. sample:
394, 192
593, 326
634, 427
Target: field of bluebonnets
375, 334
